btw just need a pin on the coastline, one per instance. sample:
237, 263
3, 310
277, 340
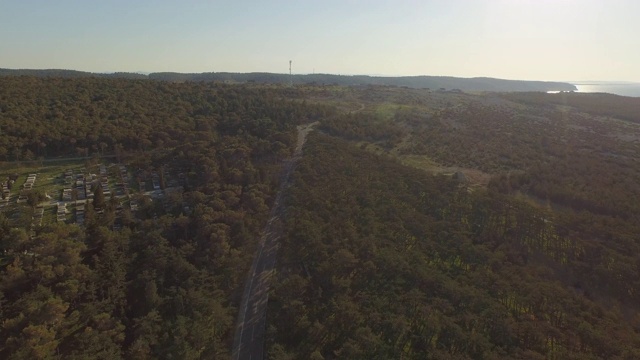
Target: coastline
629, 89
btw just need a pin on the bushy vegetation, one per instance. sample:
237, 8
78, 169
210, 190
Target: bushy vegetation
547, 252
377, 260
81, 117
167, 284
414, 266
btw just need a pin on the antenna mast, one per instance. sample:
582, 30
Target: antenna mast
290, 76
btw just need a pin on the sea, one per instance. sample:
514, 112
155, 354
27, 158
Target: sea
620, 88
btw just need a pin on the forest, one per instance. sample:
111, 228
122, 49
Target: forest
539, 262
167, 284
419, 224
414, 266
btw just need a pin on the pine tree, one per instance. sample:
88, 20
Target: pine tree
98, 198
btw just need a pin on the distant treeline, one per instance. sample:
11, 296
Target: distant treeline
430, 82
69, 74
622, 107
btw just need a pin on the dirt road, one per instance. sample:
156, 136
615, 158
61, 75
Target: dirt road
248, 342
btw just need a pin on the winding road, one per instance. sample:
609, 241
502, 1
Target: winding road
249, 339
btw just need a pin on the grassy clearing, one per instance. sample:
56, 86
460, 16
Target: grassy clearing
421, 162
388, 110
371, 147
49, 177
49, 216
475, 177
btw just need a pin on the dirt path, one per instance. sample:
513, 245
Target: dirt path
359, 109
248, 342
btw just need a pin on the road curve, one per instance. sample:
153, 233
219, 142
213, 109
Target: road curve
248, 342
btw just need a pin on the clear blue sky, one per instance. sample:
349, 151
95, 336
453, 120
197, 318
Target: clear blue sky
514, 39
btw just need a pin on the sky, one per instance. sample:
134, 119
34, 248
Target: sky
561, 40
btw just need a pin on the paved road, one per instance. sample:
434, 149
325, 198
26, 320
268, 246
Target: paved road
248, 343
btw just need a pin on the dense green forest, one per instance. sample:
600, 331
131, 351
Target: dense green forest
540, 262
167, 284
52, 117
414, 266
418, 224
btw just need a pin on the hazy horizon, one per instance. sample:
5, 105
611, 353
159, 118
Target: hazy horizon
587, 40
573, 82
576, 82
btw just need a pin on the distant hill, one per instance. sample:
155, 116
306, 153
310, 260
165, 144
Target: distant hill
430, 82
68, 73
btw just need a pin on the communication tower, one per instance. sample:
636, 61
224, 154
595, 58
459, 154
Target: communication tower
290, 76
